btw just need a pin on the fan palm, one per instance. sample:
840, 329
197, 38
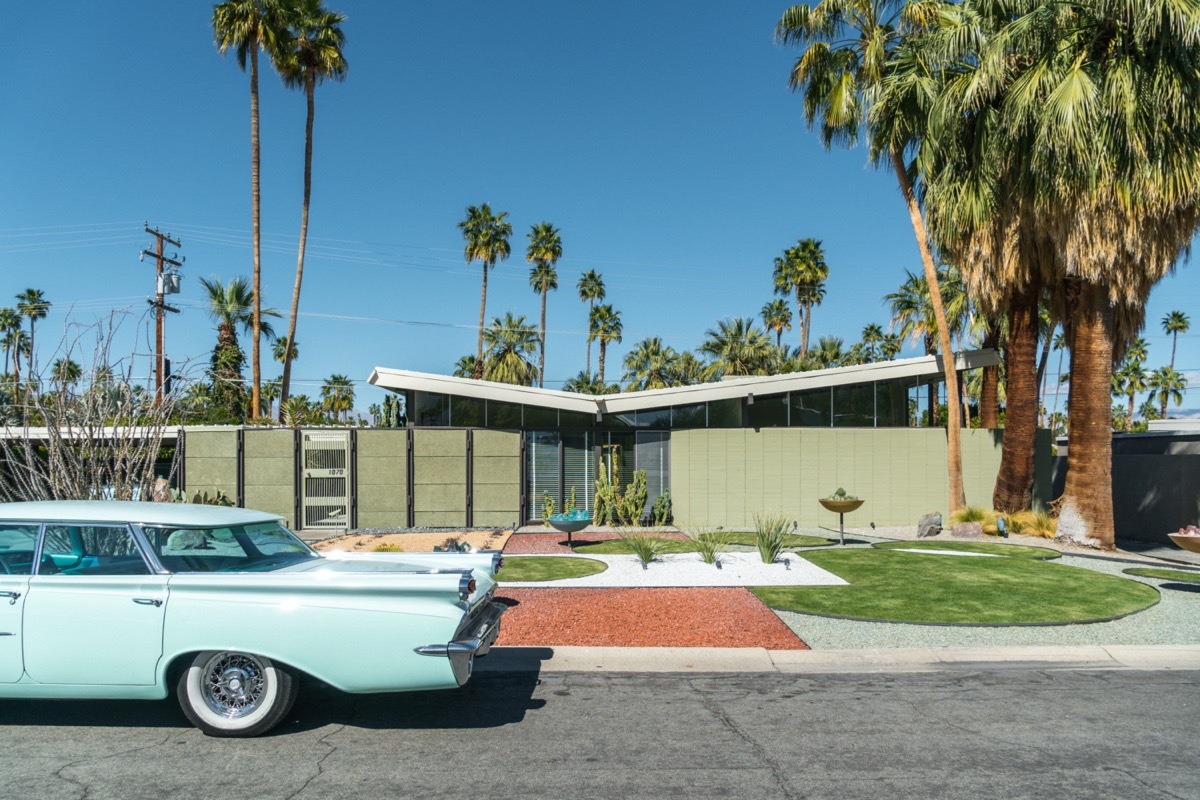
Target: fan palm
512, 344
10, 321
591, 291
66, 373
848, 44
311, 54
605, 328
279, 348
486, 235
545, 249
777, 316
737, 347
338, 394
872, 337
248, 26
651, 365
802, 271
16, 344
1173, 324
231, 306
1129, 380
1166, 384
32, 305
465, 367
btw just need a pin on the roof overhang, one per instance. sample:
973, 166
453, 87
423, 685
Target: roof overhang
921, 367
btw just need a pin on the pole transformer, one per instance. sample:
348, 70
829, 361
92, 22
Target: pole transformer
166, 282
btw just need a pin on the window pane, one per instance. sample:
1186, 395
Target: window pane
654, 456
503, 415
690, 416
618, 421
91, 550
811, 409
467, 412
854, 406
541, 470
768, 412
654, 418
431, 409
16, 548
579, 470
725, 413
538, 417
891, 404
575, 419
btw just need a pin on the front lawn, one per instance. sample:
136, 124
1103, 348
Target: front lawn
746, 538
547, 568
910, 587
1163, 574
990, 548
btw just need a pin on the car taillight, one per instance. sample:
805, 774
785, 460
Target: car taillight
471, 586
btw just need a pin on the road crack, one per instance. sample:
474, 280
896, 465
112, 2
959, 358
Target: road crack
84, 788
777, 771
320, 762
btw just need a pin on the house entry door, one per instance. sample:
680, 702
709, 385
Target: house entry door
325, 483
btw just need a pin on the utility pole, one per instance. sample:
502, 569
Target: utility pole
165, 283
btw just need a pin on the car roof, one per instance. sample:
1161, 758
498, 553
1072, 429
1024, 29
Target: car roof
175, 514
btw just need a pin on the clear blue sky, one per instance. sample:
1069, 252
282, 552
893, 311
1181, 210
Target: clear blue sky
661, 138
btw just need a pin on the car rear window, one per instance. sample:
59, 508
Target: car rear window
239, 548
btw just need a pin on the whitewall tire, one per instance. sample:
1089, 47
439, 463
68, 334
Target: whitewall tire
227, 693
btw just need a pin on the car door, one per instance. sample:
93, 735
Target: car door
18, 542
94, 609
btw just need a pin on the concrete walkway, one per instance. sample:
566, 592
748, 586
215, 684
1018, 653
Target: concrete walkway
754, 659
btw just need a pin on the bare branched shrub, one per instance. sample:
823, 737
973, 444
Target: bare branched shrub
99, 437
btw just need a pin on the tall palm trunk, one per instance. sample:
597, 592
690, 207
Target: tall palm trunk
1174, 341
1058, 383
285, 381
591, 308
542, 342
1014, 481
953, 431
989, 390
1129, 417
479, 340
29, 372
603, 347
254, 210
800, 309
1086, 514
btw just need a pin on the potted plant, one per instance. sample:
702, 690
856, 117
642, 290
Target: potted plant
841, 504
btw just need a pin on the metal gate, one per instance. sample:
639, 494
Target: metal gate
325, 484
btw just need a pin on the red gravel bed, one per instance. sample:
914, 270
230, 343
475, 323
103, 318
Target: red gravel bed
555, 543
690, 617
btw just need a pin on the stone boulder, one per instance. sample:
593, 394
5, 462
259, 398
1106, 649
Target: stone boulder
929, 525
967, 530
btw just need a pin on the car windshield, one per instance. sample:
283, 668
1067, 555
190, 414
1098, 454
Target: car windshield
238, 548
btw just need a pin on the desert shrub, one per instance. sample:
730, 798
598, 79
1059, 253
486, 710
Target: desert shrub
661, 511
974, 514
1034, 523
769, 533
710, 542
646, 546
387, 548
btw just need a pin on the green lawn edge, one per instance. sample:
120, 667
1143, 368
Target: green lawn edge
1163, 574
950, 590
528, 569
991, 548
611, 547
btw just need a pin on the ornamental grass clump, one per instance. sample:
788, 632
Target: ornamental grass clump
387, 548
1034, 523
710, 543
974, 514
769, 533
643, 545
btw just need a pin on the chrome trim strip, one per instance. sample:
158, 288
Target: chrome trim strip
475, 641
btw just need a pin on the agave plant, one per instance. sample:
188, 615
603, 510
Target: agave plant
770, 530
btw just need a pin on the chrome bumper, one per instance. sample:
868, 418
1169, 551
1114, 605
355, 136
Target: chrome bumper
475, 639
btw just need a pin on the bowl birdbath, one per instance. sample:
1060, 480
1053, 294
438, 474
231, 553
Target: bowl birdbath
568, 525
1188, 541
841, 508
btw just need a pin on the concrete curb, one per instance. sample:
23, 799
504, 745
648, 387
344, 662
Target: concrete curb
756, 659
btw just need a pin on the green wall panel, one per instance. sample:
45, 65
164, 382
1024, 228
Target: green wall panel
210, 461
269, 472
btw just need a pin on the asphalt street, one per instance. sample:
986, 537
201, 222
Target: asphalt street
1002, 733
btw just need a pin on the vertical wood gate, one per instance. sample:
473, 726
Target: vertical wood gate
325, 479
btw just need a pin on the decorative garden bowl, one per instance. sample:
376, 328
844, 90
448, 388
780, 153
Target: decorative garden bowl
1190, 543
568, 525
841, 506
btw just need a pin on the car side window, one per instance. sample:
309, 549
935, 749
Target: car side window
91, 550
17, 545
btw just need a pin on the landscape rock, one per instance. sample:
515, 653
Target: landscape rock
967, 530
929, 525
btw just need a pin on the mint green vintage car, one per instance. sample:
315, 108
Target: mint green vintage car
225, 606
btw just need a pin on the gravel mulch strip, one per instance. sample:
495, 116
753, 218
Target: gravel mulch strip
724, 617
553, 542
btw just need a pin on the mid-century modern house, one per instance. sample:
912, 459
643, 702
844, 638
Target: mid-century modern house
476, 453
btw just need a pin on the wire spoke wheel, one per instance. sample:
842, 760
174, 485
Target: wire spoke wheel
227, 693
234, 684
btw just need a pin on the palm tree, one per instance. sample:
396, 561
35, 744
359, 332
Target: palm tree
591, 291
872, 337
231, 306
34, 306
690, 368
486, 235
248, 26
802, 270
270, 393
651, 365
605, 327
10, 321
66, 373
1173, 324
583, 383
338, 393
311, 54
890, 346
1166, 384
16, 343
512, 344
279, 348
829, 353
777, 316
1130, 380
545, 249
466, 367
296, 411
737, 347
848, 45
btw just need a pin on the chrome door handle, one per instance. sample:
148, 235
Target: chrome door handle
12, 597
148, 601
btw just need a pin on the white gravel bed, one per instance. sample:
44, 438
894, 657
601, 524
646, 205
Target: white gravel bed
1174, 620
686, 569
